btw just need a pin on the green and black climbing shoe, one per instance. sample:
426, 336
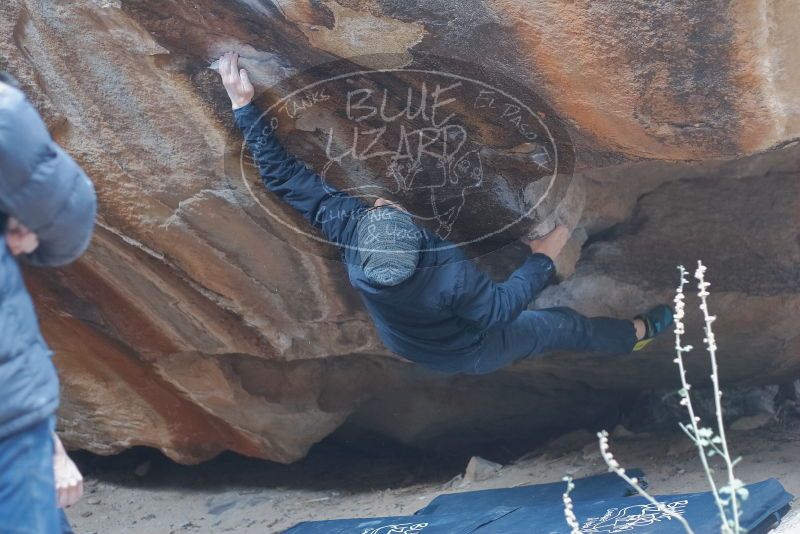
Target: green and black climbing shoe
655, 321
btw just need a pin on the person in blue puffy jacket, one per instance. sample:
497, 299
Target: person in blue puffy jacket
47, 208
429, 302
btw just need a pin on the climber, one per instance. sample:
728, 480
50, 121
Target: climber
47, 208
430, 304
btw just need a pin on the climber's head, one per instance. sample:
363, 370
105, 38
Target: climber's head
388, 243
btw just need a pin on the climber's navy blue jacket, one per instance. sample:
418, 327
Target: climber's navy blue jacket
44, 189
440, 312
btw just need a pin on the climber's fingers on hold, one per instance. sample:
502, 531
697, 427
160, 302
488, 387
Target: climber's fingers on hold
225, 64
234, 67
222, 69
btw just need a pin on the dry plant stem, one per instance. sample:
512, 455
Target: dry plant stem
614, 467
695, 433
702, 437
569, 514
711, 346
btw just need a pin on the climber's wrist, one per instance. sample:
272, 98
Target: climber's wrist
237, 103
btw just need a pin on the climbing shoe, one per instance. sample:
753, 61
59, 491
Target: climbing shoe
655, 321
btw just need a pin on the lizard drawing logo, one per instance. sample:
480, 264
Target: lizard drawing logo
631, 518
405, 528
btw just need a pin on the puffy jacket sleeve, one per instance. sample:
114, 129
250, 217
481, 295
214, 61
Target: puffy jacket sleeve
488, 304
41, 186
328, 209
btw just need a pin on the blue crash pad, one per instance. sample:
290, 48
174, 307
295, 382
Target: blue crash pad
634, 515
463, 523
598, 514
597, 487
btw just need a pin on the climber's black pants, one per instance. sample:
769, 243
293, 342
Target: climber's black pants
538, 331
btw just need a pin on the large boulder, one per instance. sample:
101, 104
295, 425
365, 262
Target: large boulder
206, 317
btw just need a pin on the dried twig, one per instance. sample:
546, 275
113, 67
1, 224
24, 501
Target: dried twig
569, 513
693, 429
708, 444
614, 467
735, 487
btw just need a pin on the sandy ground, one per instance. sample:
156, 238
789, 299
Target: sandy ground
234, 494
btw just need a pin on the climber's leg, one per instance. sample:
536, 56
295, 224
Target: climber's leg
539, 331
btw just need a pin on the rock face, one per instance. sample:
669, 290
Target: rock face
198, 322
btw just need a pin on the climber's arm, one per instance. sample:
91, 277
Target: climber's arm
487, 304
293, 182
284, 175
42, 190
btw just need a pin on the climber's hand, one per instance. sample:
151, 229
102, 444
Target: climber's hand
551, 244
236, 81
69, 481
